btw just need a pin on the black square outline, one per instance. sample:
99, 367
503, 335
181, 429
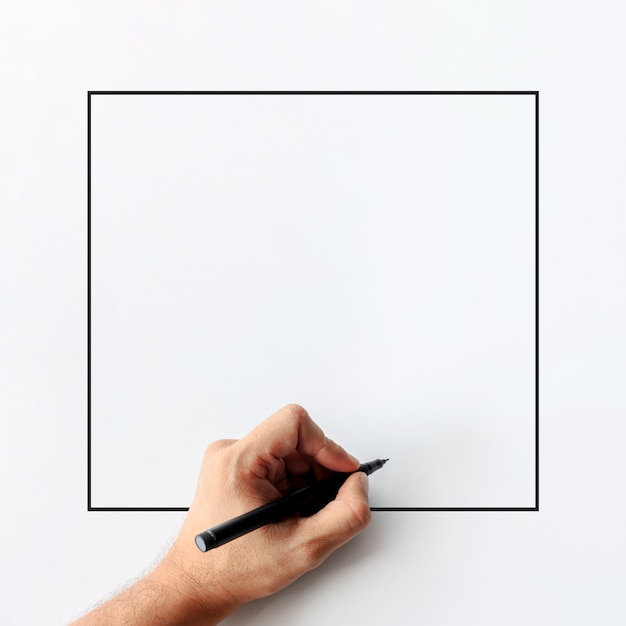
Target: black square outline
494, 93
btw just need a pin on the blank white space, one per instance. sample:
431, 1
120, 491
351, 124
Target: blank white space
369, 257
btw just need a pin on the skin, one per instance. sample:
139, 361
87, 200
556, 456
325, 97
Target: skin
188, 587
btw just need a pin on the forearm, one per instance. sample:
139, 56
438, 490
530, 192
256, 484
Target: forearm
158, 599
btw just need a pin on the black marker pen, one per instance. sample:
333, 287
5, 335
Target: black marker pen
305, 501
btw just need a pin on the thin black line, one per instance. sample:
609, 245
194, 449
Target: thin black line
383, 508
306, 93
537, 300
88, 301
137, 509
536, 95
486, 508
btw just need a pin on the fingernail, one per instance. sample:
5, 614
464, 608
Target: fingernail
353, 458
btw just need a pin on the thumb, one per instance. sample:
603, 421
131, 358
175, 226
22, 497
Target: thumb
340, 520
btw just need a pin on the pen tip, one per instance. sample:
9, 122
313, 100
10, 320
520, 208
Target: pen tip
385, 460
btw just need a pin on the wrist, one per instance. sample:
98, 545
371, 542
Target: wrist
189, 601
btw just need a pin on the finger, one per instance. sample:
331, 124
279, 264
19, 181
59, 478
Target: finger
213, 450
301, 465
292, 429
339, 521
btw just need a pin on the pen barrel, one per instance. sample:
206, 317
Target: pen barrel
371, 466
305, 501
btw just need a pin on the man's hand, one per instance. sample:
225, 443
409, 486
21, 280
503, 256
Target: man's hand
285, 452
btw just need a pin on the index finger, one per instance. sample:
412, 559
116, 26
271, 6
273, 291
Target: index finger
292, 429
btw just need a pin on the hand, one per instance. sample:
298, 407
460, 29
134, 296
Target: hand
285, 452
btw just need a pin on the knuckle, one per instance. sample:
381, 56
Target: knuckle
217, 446
362, 514
312, 553
295, 410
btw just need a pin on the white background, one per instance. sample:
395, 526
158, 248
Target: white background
562, 565
372, 257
